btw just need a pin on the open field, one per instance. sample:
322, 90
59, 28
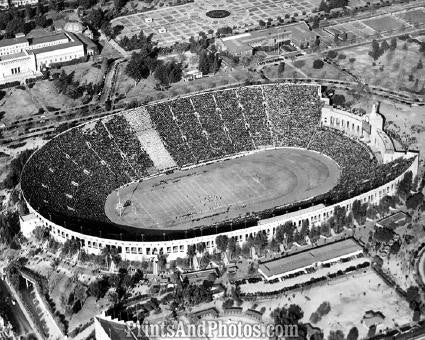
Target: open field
45, 92
350, 297
394, 69
385, 23
17, 104
84, 73
223, 190
414, 17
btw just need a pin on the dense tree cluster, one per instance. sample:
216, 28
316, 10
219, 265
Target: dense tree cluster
15, 20
189, 294
405, 186
290, 316
15, 168
327, 5
9, 229
168, 73
145, 62
209, 61
322, 310
65, 84
378, 50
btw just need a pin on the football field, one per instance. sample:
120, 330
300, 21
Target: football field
224, 190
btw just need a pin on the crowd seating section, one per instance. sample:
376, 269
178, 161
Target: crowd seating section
73, 174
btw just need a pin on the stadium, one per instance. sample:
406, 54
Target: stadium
238, 161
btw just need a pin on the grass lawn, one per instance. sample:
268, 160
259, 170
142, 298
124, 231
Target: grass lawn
84, 72
17, 104
391, 70
46, 93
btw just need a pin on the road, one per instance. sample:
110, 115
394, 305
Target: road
17, 318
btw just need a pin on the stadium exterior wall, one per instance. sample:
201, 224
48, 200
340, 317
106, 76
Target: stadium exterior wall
137, 251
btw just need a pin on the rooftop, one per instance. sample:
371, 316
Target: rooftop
56, 47
300, 31
246, 41
48, 38
309, 257
394, 221
13, 56
13, 41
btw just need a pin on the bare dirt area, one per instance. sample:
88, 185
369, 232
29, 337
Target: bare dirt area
45, 92
350, 297
394, 69
85, 73
17, 104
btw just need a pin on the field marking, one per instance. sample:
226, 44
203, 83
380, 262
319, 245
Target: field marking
240, 186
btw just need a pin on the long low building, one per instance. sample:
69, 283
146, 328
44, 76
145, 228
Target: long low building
24, 57
309, 258
244, 44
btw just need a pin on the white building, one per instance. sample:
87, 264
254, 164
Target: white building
23, 57
19, 3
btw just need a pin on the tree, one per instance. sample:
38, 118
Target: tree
231, 245
376, 51
228, 303
405, 185
412, 294
221, 242
191, 251
332, 54
281, 68
338, 99
336, 335
318, 64
16, 25
137, 68
384, 46
28, 12
200, 247
393, 44
383, 234
280, 234
118, 4
260, 241
359, 211
414, 201
9, 229
261, 23
15, 169
41, 21
204, 62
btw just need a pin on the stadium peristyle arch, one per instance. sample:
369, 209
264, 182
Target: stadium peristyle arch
67, 181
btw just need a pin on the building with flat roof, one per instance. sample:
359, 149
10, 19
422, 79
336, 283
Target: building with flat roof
309, 258
243, 44
24, 57
394, 221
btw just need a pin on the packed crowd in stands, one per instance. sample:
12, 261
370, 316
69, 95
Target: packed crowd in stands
253, 103
74, 174
294, 111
